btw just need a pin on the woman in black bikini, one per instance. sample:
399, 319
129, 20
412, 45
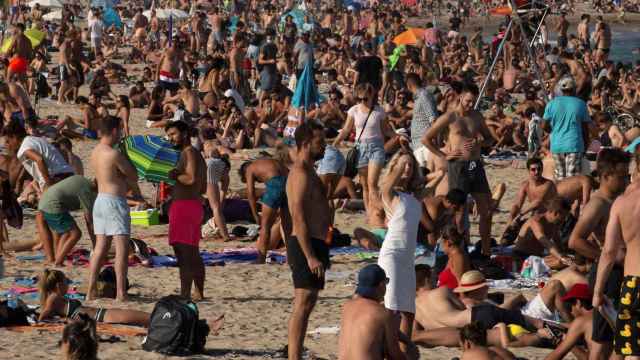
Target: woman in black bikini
53, 287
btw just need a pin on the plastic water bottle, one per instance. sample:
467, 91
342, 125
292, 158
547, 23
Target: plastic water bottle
12, 299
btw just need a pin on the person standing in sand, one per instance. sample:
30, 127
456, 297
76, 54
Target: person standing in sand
111, 219
307, 252
468, 132
21, 53
169, 66
367, 329
622, 244
185, 215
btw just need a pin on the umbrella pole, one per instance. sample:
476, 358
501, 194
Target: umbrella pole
493, 65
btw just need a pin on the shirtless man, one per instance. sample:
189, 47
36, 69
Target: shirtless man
139, 95
467, 134
512, 69
307, 251
185, 215
187, 97
215, 20
578, 302
473, 341
623, 233
86, 127
111, 220
561, 29
21, 53
576, 190
440, 210
537, 189
541, 232
583, 31
18, 98
580, 74
603, 41
64, 70
236, 57
273, 174
169, 66
367, 329
140, 23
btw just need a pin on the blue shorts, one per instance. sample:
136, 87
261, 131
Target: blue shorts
90, 134
371, 152
59, 223
275, 194
333, 162
111, 215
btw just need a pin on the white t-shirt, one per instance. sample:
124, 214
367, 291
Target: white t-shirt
52, 158
95, 27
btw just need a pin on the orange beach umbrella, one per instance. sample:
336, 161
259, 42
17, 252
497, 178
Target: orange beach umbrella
503, 10
409, 37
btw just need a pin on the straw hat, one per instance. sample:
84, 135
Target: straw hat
471, 280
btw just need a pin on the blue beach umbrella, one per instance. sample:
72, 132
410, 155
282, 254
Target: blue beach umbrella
111, 17
152, 156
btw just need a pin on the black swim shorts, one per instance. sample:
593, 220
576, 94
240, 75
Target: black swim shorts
167, 85
489, 315
628, 320
468, 176
602, 332
302, 276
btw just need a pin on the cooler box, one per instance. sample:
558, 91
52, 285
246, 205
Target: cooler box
145, 217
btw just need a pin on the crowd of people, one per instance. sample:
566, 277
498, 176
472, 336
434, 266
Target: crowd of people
398, 131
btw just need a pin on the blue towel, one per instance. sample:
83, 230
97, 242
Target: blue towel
36, 257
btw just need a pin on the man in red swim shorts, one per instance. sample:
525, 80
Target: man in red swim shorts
21, 52
186, 213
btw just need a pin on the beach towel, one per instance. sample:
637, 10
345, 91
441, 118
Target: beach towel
220, 258
109, 329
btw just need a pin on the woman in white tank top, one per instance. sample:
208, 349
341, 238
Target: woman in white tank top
397, 254
371, 134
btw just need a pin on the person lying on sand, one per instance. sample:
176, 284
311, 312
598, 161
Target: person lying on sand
474, 344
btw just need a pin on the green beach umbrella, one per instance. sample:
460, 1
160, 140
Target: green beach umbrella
152, 156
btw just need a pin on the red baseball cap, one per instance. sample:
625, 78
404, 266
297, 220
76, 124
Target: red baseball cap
578, 291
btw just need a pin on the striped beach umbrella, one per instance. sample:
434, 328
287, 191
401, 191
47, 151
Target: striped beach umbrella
152, 156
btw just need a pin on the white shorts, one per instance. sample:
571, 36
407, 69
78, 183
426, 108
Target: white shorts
111, 215
422, 155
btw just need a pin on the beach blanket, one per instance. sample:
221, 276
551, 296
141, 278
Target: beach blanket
230, 256
363, 253
109, 329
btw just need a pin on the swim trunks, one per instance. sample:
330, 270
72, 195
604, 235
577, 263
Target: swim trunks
19, 116
111, 215
275, 194
602, 332
59, 223
490, 315
168, 81
537, 309
380, 234
468, 176
18, 65
90, 134
185, 219
628, 320
302, 276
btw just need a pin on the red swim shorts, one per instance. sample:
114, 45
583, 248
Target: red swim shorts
185, 220
18, 65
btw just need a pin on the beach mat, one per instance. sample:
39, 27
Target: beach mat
109, 329
226, 256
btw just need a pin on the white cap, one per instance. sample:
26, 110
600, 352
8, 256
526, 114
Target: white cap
232, 93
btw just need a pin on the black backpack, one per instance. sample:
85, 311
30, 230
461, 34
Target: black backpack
175, 328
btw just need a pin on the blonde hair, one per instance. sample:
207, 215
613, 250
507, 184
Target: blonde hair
416, 182
48, 282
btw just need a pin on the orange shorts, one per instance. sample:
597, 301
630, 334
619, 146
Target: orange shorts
18, 65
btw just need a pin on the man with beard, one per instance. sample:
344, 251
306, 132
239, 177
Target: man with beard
307, 253
185, 214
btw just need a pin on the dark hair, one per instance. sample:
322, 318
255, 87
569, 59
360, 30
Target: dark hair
558, 204
450, 233
414, 79
108, 124
534, 161
584, 303
242, 171
456, 197
469, 88
82, 100
304, 133
182, 126
608, 159
474, 333
82, 338
64, 142
124, 99
529, 111
185, 84
20, 26
14, 129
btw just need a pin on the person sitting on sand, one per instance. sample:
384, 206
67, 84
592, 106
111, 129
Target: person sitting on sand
80, 339
458, 261
65, 146
85, 127
578, 302
54, 285
367, 329
139, 95
576, 190
537, 189
541, 235
273, 174
440, 210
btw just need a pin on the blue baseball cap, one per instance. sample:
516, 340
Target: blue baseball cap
369, 278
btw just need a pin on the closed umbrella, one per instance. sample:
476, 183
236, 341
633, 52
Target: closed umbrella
152, 156
409, 37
